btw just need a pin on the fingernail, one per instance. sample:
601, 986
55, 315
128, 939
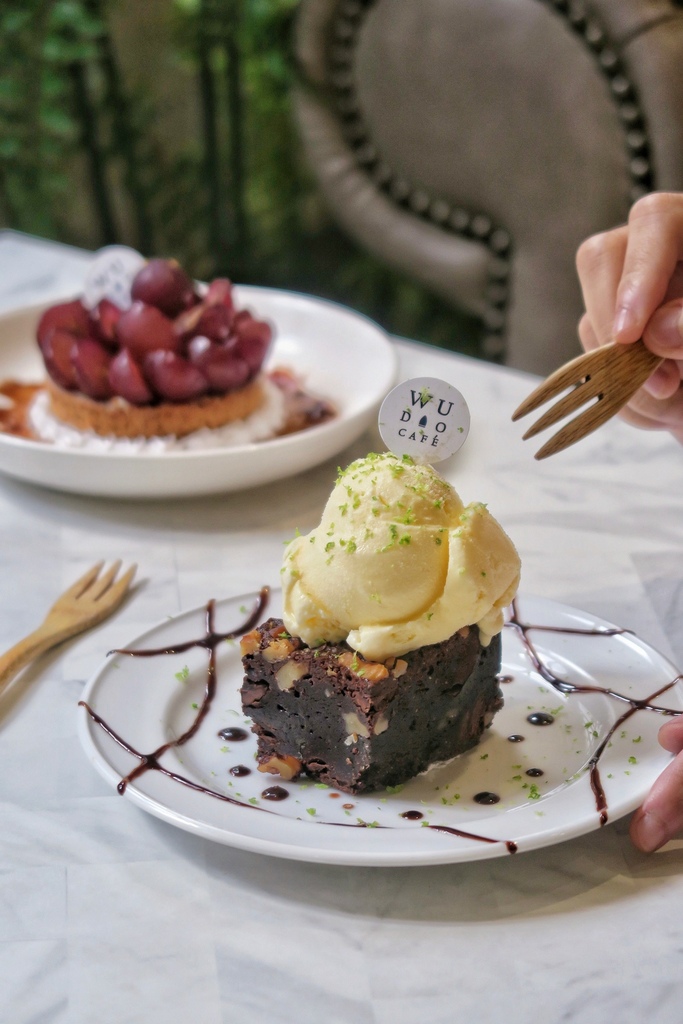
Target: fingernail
623, 321
649, 832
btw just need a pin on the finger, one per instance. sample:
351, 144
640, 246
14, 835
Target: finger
600, 263
654, 248
655, 413
671, 735
663, 333
675, 289
661, 816
664, 382
587, 335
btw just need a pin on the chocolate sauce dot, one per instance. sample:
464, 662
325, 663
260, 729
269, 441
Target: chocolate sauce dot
233, 733
334, 796
487, 798
515, 738
240, 770
274, 793
540, 718
348, 807
534, 772
505, 679
412, 815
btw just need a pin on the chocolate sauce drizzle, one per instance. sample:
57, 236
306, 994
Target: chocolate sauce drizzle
509, 844
211, 640
566, 688
234, 734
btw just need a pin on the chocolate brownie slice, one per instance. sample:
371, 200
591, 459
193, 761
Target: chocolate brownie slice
360, 725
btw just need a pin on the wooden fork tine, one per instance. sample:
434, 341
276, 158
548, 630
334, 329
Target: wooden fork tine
82, 584
572, 372
103, 584
118, 591
582, 425
570, 403
69, 616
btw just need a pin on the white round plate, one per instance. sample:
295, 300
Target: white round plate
341, 356
149, 701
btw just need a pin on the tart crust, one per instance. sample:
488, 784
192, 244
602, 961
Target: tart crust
118, 418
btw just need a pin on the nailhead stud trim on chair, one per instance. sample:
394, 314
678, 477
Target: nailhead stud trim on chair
468, 223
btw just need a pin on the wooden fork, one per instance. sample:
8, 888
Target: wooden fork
610, 375
90, 600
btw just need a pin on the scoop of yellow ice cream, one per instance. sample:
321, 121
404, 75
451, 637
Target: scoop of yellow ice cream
397, 563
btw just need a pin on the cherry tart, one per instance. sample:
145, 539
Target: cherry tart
179, 358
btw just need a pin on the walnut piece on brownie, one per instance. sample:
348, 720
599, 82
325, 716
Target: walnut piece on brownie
360, 725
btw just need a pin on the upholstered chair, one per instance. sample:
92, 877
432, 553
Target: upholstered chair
473, 144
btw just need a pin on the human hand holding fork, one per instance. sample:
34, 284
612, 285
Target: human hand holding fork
632, 283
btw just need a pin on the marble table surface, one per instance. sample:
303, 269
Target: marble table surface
110, 915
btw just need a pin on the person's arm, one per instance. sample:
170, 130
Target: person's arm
632, 283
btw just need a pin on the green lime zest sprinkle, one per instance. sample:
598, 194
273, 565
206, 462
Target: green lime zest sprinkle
183, 675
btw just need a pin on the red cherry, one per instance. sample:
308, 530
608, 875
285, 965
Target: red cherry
144, 329
223, 368
215, 322
104, 320
91, 361
57, 348
165, 285
252, 340
126, 379
67, 316
173, 377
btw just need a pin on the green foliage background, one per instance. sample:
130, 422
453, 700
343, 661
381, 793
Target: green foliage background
167, 125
